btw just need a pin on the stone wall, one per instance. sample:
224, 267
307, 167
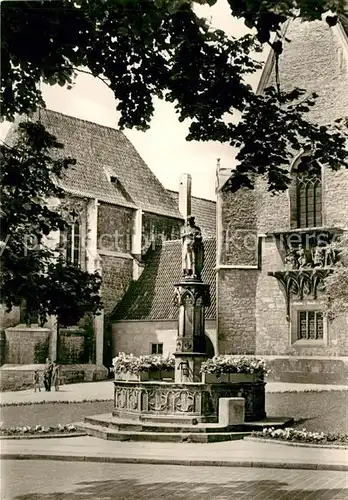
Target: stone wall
317, 60
158, 228
238, 262
19, 377
26, 345
115, 226
308, 369
136, 336
238, 245
236, 324
72, 347
252, 313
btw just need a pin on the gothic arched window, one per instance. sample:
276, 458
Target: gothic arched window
73, 243
306, 194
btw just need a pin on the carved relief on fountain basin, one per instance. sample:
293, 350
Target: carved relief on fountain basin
136, 399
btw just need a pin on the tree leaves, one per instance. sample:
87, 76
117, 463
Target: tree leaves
30, 270
156, 48
272, 128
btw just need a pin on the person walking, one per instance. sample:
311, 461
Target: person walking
37, 381
55, 376
48, 374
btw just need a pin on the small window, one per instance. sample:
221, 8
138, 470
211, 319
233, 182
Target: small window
156, 348
73, 244
310, 325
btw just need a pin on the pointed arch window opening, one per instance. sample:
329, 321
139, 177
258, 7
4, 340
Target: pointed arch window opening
308, 197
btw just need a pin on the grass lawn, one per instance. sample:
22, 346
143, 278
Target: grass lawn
51, 413
315, 411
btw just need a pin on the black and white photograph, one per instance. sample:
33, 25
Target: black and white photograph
174, 250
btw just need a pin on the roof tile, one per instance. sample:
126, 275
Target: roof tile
151, 297
101, 151
204, 212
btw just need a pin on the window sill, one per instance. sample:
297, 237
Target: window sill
304, 230
309, 343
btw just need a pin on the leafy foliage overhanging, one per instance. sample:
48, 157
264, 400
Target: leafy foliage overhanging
31, 268
161, 48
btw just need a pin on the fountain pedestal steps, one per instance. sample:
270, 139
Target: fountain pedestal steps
107, 426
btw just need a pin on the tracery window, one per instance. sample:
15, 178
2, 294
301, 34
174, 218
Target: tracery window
308, 195
310, 325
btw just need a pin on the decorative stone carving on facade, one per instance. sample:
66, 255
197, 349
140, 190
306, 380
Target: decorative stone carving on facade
308, 249
312, 258
74, 208
192, 295
300, 283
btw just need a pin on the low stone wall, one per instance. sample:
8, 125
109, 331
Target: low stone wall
18, 377
26, 345
136, 400
72, 346
308, 370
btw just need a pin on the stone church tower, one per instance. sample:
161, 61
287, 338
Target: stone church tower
271, 259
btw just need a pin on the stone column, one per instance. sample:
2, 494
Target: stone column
98, 325
192, 296
93, 264
91, 239
185, 195
53, 241
136, 244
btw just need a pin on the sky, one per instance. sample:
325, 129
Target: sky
163, 146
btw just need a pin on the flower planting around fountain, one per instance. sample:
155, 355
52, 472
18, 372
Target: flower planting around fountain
145, 387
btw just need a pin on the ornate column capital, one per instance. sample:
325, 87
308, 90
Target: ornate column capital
192, 293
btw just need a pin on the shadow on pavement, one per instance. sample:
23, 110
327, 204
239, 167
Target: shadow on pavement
132, 489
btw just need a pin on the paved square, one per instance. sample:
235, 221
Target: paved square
54, 480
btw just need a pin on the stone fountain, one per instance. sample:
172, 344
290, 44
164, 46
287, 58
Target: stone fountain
194, 407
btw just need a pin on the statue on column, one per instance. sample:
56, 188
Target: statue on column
192, 250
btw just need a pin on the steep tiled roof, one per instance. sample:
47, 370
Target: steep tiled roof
151, 297
204, 212
344, 23
102, 152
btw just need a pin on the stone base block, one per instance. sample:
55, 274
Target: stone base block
231, 411
19, 377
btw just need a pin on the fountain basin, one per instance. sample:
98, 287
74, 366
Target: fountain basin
190, 401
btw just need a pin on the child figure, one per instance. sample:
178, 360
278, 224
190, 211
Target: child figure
55, 376
36, 381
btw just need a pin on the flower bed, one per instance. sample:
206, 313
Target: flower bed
301, 436
232, 378
37, 430
220, 365
133, 365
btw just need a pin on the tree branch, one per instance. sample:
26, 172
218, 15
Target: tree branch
91, 74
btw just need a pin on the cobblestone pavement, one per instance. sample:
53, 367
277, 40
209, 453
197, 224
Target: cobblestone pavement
38, 480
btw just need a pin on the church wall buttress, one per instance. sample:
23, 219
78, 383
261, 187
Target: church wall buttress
237, 272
